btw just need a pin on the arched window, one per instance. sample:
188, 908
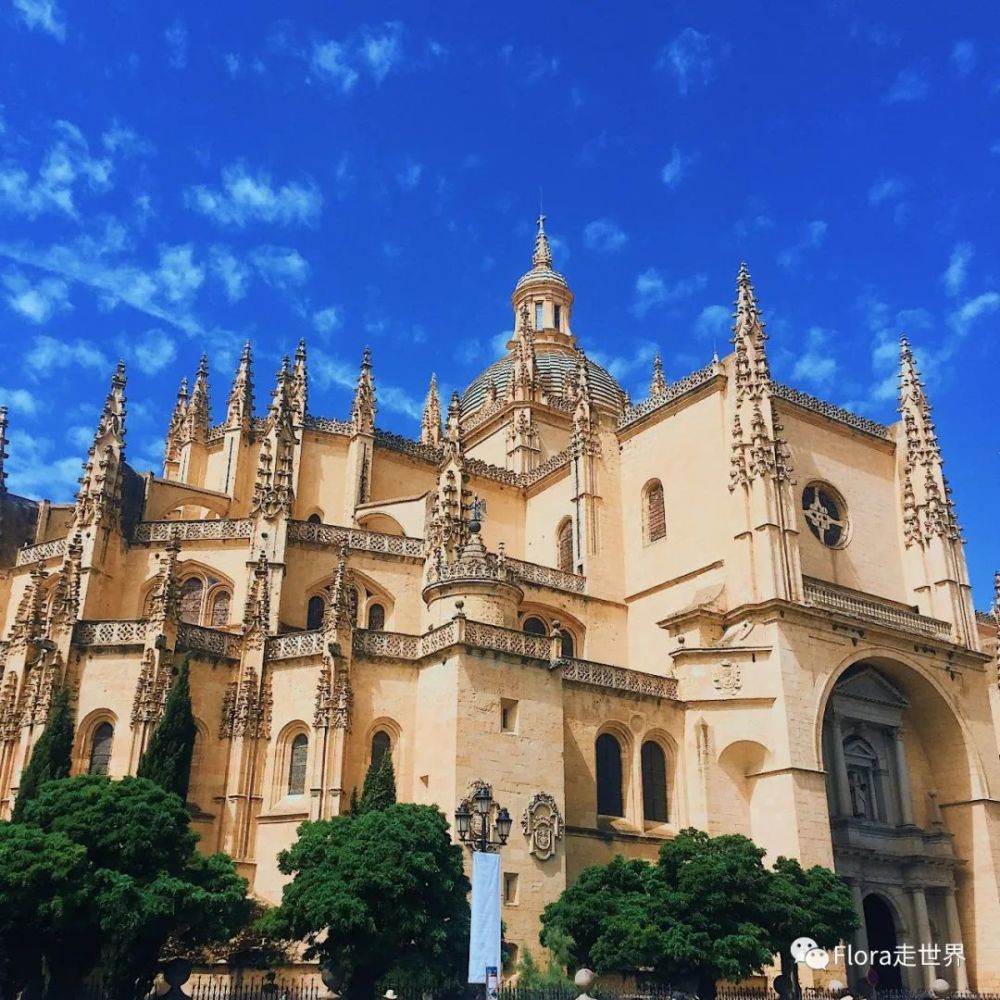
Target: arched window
100, 748
565, 546
654, 782
567, 643
314, 519
354, 601
297, 765
190, 606
609, 776
381, 745
314, 612
220, 609
534, 626
656, 522
376, 617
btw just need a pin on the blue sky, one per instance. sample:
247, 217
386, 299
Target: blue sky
179, 177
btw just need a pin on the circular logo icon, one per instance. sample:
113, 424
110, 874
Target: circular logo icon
817, 958
801, 947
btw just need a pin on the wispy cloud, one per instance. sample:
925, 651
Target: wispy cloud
176, 37
692, 57
381, 49
409, 176
816, 366
909, 85
652, 290
963, 318
714, 322
153, 351
246, 197
43, 15
813, 237
604, 236
674, 169
68, 166
377, 51
532, 64
19, 401
232, 272
280, 267
328, 370
957, 270
37, 471
885, 189
327, 320
36, 302
47, 354
964, 56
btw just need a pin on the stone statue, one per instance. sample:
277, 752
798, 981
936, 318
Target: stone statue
859, 793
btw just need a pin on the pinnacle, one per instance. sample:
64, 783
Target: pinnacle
542, 257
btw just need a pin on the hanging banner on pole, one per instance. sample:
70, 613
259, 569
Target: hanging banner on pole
484, 935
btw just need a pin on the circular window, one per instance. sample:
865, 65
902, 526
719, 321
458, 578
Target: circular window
826, 514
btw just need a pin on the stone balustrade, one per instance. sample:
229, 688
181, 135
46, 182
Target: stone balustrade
618, 678
355, 538
123, 632
56, 548
396, 645
547, 576
870, 609
826, 409
214, 641
215, 529
294, 644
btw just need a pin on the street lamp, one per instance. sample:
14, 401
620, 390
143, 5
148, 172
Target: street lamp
485, 826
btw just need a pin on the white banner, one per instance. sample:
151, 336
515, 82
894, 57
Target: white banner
484, 937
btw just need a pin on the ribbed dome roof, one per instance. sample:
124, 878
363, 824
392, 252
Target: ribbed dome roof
553, 367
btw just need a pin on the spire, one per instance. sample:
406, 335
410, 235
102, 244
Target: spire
257, 610
165, 593
453, 431
583, 427
273, 491
928, 509
199, 407
175, 429
338, 616
239, 409
364, 406
66, 593
430, 424
658, 386
753, 374
542, 257
300, 384
3, 448
101, 483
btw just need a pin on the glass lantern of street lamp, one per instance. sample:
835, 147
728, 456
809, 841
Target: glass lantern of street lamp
504, 823
483, 800
463, 820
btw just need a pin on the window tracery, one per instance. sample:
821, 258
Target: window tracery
825, 512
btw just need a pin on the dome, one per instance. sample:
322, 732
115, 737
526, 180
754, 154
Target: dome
553, 367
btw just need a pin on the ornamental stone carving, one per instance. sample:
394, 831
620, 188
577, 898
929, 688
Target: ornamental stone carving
727, 678
542, 824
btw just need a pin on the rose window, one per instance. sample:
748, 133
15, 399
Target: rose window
826, 514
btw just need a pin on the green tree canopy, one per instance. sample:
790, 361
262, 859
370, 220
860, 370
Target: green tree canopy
387, 888
379, 789
167, 759
144, 880
52, 755
708, 910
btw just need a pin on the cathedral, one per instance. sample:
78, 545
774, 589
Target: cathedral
729, 605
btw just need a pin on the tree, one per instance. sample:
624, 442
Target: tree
167, 759
52, 755
379, 789
379, 895
41, 878
144, 879
807, 902
697, 916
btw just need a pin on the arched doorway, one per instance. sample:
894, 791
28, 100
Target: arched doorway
880, 926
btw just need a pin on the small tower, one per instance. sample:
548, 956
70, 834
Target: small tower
430, 423
543, 296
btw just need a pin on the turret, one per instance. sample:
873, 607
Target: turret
430, 424
544, 295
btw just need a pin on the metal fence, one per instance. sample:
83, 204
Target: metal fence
227, 988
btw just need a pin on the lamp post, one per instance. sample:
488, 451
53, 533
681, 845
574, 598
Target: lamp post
480, 822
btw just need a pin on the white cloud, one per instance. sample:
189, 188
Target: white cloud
44, 15
35, 472
692, 57
673, 170
376, 51
328, 370
964, 56
957, 270
36, 302
179, 276
885, 189
18, 401
232, 272
409, 177
176, 37
327, 320
909, 85
67, 165
714, 322
153, 351
232, 61
604, 236
121, 139
382, 50
247, 197
651, 290
815, 366
813, 237
331, 60
962, 319
48, 354
280, 267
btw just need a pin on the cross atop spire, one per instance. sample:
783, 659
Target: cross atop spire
542, 257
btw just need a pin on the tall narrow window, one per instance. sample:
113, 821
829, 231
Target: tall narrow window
656, 522
100, 748
566, 643
220, 609
557, 317
381, 745
609, 776
314, 612
297, 765
539, 315
376, 617
654, 782
565, 546
190, 605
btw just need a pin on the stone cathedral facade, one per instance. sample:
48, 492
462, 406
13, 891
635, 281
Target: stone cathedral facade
729, 606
